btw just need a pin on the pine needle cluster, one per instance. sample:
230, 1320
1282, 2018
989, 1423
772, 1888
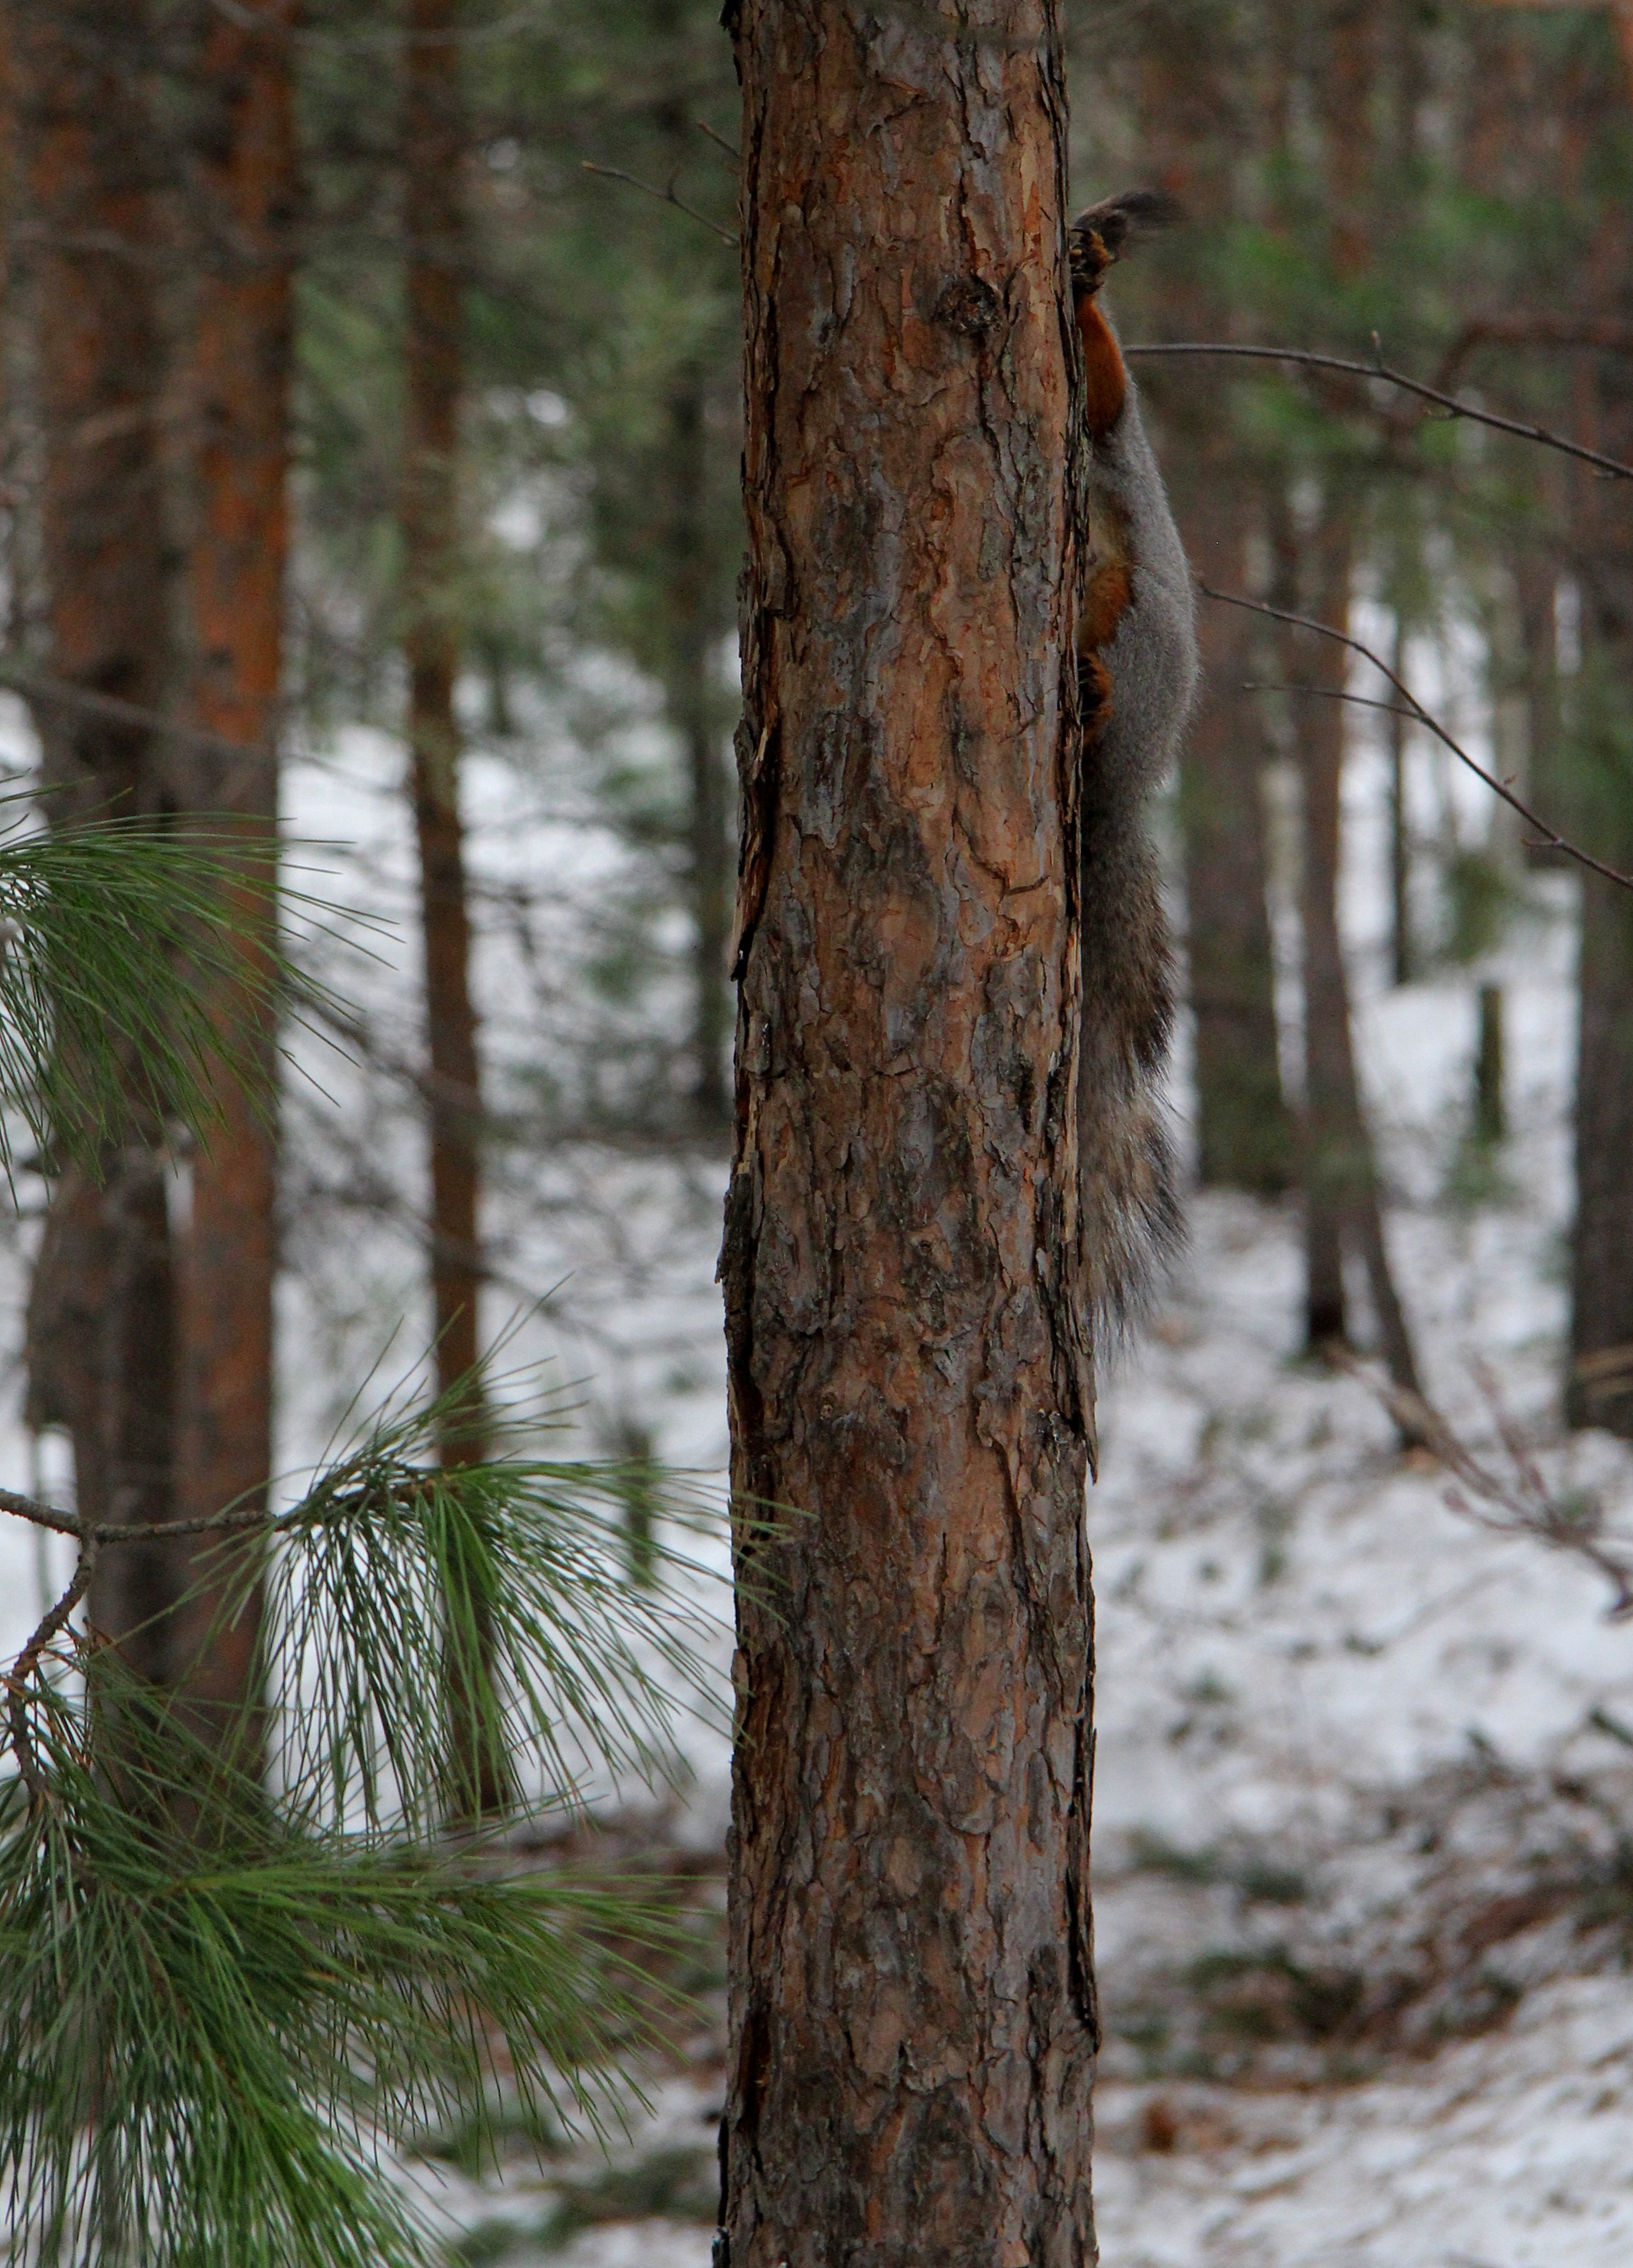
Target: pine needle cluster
243, 1956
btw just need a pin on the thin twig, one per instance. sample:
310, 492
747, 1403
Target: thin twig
1549, 839
17, 1677
1326, 693
1523, 1504
42, 1515
664, 196
1531, 331
239, 1521
719, 140
261, 21
1452, 404
56, 692
128, 1531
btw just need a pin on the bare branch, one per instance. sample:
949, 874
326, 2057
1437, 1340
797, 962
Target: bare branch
34, 685
664, 196
1516, 1502
1531, 331
1452, 404
129, 1531
1326, 693
22, 1670
42, 1515
1547, 838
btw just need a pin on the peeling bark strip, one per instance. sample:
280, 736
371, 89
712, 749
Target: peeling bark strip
913, 2025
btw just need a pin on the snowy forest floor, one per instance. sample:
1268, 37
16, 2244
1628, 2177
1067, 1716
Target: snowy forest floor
1365, 1784
1364, 1839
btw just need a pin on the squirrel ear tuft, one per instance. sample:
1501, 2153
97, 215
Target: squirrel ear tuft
1131, 212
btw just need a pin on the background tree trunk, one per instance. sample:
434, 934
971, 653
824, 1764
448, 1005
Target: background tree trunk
1245, 1130
1340, 1176
692, 704
1600, 1385
239, 190
433, 153
1403, 948
101, 1342
1600, 1389
1245, 1136
913, 2024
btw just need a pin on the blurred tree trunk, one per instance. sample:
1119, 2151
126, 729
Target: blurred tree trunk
434, 151
239, 197
433, 157
1536, 581
1402, 945
1599, 1387
912, 2016
100, 1336
1190, 127
1341, 1204
1245, 1129
693, 703
684, 581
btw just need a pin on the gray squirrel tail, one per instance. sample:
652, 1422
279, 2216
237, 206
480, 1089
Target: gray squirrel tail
1130, 1218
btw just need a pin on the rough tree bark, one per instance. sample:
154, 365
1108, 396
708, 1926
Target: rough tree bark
100, 1316
240, 193
912, 2024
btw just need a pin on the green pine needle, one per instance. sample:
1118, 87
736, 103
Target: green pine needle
139, 970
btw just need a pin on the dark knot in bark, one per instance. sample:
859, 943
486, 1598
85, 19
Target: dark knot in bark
969, 305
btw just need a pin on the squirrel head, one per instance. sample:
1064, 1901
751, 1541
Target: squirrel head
1097, 237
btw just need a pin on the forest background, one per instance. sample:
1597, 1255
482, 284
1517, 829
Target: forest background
491, 251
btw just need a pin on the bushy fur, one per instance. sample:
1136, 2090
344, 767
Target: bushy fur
1137, 685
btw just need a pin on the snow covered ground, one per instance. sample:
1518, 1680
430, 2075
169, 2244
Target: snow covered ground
1364, 1795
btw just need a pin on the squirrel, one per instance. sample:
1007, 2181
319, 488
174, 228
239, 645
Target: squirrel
1136, 677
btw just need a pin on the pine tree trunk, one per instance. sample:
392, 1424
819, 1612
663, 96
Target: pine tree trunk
912, 2015
1600, 1384
434, 154
1536, 580
100, 1335
433, 145
1342, 1203
1331, 1172
1245, 1134
240, 188
1402, 951
691, 706
1599, 1389
1245, 1129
